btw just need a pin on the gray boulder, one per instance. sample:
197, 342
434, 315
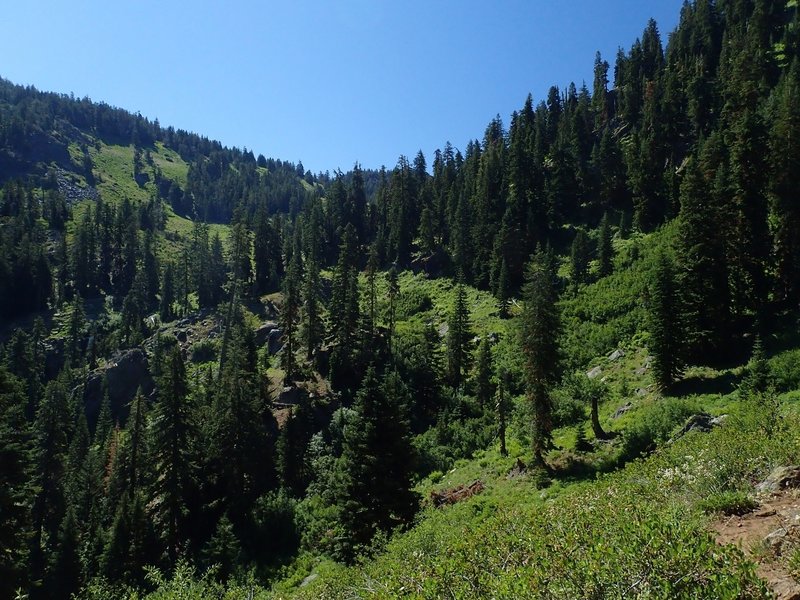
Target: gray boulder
616, 355
274, 343
781, 478
702, 422
622, 410
262, 333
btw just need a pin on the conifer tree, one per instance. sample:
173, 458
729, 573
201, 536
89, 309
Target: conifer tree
757, 378
503, 292
394, 291
605, 249
483, 373
502, 409
137, 441
784, 183
458, 338
167, 299
539, 332
312, 326
172, 437
344, 307
51, 430
65, 570
579, 258
374, 490
16, 489
290, 313
664, 324
702, 274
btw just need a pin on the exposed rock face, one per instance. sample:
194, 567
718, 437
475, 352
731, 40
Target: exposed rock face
781, 478
262, 333
616, 355
289, 395
594, 373
124, 373
701, 422
622, 410
274, 343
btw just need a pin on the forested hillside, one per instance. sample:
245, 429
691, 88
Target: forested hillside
223, 374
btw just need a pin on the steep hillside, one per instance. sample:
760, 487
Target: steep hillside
224, 375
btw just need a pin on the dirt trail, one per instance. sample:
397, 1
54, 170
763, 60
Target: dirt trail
768, 535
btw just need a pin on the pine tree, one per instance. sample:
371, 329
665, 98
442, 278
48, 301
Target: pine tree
394, 292
458, 338
64, 575
167, 299
290, 313
483, 373
75, 331
223, 549
757, 378
137, 440
51, 431
784, 183
702, 274
605, 249
344, 308
374, 490
664, 324
502, 409
312, 326
172, 433
503, 292
16, 489
579, 258
539, 332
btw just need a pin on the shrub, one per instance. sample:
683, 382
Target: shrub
785, 369
411, 301
655, 425
728, 503
203, 351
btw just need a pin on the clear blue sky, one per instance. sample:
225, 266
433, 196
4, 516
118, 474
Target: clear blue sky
326, 82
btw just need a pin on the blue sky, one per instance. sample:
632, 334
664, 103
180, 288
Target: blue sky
328, 83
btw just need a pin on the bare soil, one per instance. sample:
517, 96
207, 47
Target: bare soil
779, 515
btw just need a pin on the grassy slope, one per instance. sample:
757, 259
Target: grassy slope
113, 171
640, 531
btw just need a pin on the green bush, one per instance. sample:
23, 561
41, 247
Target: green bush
655, 424
203, 351
785, 370
411, 301
728, 503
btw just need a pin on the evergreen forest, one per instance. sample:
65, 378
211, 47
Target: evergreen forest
556, 362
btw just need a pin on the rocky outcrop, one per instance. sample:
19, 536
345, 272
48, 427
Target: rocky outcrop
622, 410
701, 422
262, 333
781, 478
274, 341
124, 374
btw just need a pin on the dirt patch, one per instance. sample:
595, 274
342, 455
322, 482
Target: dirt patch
768, 535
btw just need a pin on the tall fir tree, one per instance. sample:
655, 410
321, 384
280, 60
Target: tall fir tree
459, 338
374, 488
664, 324
171, 442
539, 333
